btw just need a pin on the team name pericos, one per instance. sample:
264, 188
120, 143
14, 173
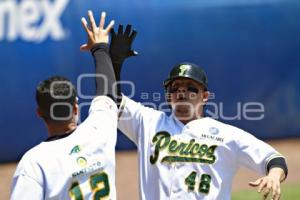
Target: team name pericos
181, 151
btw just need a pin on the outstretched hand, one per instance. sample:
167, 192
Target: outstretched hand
120, 47
95, 34
266, 185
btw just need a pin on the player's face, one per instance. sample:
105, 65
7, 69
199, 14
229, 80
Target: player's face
187, 98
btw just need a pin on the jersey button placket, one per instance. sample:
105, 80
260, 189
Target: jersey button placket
173, 171
174, 189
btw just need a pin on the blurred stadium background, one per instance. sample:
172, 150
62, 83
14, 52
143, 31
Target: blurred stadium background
249, 48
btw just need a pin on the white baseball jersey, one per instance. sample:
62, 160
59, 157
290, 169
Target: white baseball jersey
193, 161
79, 166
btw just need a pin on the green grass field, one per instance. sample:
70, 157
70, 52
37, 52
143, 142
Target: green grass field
288, 192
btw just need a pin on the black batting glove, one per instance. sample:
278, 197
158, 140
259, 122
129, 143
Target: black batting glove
120, 46
120, 49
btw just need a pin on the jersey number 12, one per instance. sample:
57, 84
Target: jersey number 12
99, 186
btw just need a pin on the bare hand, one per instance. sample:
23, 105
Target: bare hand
266, 185
95, 34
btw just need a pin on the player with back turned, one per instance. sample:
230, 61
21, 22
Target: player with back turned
76, 161
186, 155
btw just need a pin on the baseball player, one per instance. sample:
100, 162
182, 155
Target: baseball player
75, 162
189, 156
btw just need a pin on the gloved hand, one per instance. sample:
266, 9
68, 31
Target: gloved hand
120, 46
120, 49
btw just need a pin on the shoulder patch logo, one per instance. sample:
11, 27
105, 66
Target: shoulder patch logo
75, 149
213, 130
81, 161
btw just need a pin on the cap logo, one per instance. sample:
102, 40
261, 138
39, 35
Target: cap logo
183, 69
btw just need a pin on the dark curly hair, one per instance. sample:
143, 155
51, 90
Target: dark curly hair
55, 98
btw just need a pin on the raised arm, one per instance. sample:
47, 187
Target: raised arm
120, 49
98, 38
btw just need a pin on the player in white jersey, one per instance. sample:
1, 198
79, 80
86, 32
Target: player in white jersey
189, 156
75, 162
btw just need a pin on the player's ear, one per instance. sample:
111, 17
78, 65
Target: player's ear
205, 96
75, 109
